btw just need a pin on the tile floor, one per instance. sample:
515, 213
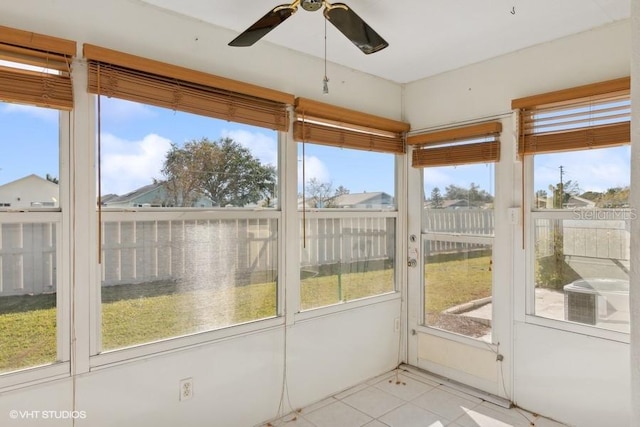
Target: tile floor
406, 399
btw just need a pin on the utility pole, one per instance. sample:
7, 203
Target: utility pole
561, 189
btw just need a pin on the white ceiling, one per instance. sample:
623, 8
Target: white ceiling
426, 37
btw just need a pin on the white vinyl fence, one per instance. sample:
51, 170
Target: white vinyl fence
139, 247
27, 258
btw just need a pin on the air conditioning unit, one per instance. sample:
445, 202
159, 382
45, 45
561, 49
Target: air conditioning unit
597, 299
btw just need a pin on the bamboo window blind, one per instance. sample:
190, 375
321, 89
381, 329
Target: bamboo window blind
477, 143
36, 69
327, 124
125, 76
591, 116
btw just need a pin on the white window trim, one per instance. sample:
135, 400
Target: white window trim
327, 310
179, 343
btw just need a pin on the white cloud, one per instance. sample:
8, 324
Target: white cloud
119, 110
46, 114
593, 170
433, 177
313, 168
127, 165
262, 146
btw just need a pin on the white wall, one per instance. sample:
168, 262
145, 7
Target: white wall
237, 381
574, 378
487, 88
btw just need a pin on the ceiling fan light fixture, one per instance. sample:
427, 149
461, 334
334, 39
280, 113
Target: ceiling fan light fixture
311, 5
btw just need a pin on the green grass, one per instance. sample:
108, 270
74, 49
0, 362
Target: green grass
453, 279
132, 321
320, 291
28, 338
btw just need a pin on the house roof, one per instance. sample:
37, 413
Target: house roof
353, 199
30, 177
131, 195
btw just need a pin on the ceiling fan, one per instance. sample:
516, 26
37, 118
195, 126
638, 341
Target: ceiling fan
339, 14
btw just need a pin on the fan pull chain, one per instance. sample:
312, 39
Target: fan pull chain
325, 81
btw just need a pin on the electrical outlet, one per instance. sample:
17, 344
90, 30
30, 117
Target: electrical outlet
186, 389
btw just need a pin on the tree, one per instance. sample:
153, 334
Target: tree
223, 171
616, 197
563, 191
318, 193
180, 169
436, 199
341, 190
473, 195
454, 192
51, 178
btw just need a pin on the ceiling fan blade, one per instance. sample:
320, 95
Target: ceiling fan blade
262, 26
354, 28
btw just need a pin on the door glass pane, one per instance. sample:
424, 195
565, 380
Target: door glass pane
458, 283
458, 227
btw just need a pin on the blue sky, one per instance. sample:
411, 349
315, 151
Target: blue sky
135, 139
25, 131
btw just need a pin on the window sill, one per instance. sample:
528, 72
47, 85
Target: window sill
171, 345
340, 307
574, 328
31, 376
462, 339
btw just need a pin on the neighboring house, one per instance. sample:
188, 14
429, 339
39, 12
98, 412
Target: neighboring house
374, 200
576, 202
31, 191
107, 198
152, 195
456, 204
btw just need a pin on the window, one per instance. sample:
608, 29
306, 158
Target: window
35, 89
575, 144
347, 250
188, 203
458, 226
348, 213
